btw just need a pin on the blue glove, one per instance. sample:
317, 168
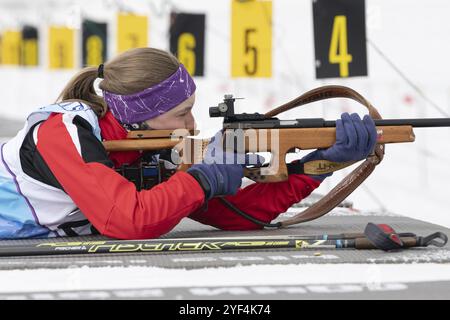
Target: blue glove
218, 179
221, 172
355, 140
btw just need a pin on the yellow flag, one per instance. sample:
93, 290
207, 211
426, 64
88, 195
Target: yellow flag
61, 48
132, 31
251, 44
11, 42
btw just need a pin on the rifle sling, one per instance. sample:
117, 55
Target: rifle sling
344, 188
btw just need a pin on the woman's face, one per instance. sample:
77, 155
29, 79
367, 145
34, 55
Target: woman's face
179, 117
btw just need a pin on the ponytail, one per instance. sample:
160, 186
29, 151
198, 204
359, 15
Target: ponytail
81, 88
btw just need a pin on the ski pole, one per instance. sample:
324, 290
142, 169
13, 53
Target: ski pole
298, 242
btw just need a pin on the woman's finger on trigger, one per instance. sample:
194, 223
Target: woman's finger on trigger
372, 130
361, 131
350, 131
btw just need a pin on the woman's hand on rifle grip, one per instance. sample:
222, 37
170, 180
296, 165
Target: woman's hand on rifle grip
355, 140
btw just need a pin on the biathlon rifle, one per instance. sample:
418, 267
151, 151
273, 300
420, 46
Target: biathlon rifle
251, 133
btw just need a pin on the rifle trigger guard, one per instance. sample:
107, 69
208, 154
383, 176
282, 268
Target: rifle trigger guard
254, 174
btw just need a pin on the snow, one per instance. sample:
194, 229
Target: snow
435, 255
85, 278
345, 212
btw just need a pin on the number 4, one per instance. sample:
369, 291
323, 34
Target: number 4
339, 46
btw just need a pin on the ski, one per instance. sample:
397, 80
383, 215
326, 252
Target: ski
375, 237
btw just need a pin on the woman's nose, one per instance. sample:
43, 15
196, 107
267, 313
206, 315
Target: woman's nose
190, 122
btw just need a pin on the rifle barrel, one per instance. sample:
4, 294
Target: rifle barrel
274, 123
416, 123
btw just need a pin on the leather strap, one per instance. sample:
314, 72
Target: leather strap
344, 188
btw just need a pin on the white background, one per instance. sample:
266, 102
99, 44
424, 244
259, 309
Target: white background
414, 178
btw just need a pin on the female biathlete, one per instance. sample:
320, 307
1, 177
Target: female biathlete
56, 178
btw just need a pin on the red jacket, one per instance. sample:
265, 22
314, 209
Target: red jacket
116, 209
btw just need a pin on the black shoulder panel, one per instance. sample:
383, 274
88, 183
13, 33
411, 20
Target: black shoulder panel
33, 164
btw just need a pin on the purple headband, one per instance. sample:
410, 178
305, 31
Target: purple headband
153, 101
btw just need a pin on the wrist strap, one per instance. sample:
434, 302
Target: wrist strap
202, 181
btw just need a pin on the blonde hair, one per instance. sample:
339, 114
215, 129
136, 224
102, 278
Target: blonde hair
128, 73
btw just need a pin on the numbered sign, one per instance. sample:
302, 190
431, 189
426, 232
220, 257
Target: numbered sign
30, 48
61, 48
187, 40
94, 43
11, 42
251, 43
340, 38
132, 32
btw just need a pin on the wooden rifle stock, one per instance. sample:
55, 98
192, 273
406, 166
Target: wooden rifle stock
276, 141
